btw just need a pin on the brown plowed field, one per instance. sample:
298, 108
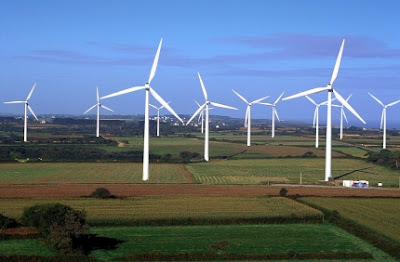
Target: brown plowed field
131, 190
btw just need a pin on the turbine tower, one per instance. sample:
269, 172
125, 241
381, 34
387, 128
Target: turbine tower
25, 102
383, 117
149, 90
329, 88
247, 119
206, 107
158, 116
274, 113
98, 105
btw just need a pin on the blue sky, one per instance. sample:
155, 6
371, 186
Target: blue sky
257, 48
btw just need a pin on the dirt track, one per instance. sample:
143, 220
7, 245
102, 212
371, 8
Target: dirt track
131, 190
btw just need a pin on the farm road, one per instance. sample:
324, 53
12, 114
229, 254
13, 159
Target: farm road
135, 190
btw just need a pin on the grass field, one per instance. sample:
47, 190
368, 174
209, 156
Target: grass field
27, 247
244, 239
53, 173
381, 215
242, 171
287, 170
171, 207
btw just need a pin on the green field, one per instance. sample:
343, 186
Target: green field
244, 239
170, 207
242, 171
379, 214
287, 170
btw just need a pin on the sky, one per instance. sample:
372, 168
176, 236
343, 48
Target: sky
258, 48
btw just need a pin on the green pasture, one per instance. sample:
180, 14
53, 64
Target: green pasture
243, 239
26, 247
288, 170
379, 214
85, 172
170, 207
241, 171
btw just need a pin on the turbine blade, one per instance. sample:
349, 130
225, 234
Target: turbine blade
33, 113
196, 113
315, 116
125, 91
155, 62
30, 93
198, 120
161, 107
279, 98
106, 108
203, 87
266, 104
223, 106
90, 109
348, 98
97, 94
348, 106
393, 103
241, 97
165, 104
308, 92
15, 102
311, 100
197, 103
337, 64
276, 114
246, 117
153, 106
344, 115
259, 100
376, 99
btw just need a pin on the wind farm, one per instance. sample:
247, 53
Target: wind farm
126, 180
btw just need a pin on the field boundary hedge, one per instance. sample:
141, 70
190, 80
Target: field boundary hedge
377, 239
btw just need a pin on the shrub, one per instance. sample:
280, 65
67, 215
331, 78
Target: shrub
58, 224
6, 222
101, 192
283, 192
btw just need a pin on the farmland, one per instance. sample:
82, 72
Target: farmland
232, 201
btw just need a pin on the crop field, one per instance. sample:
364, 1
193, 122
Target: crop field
171, 207
64, 172
287, 170
380, 214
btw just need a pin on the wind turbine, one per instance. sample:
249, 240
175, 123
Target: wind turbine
25, 115
158, 116
316, 118
149, 90
98, 105
383, 117
247, 120
274, 113
206, 107
329, 88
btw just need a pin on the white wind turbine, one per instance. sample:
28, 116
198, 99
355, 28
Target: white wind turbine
316, 118
98, 105
149, 90
247, 120
383, 117
25, 115
274, 113
329, 88
158, 116
206, 107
